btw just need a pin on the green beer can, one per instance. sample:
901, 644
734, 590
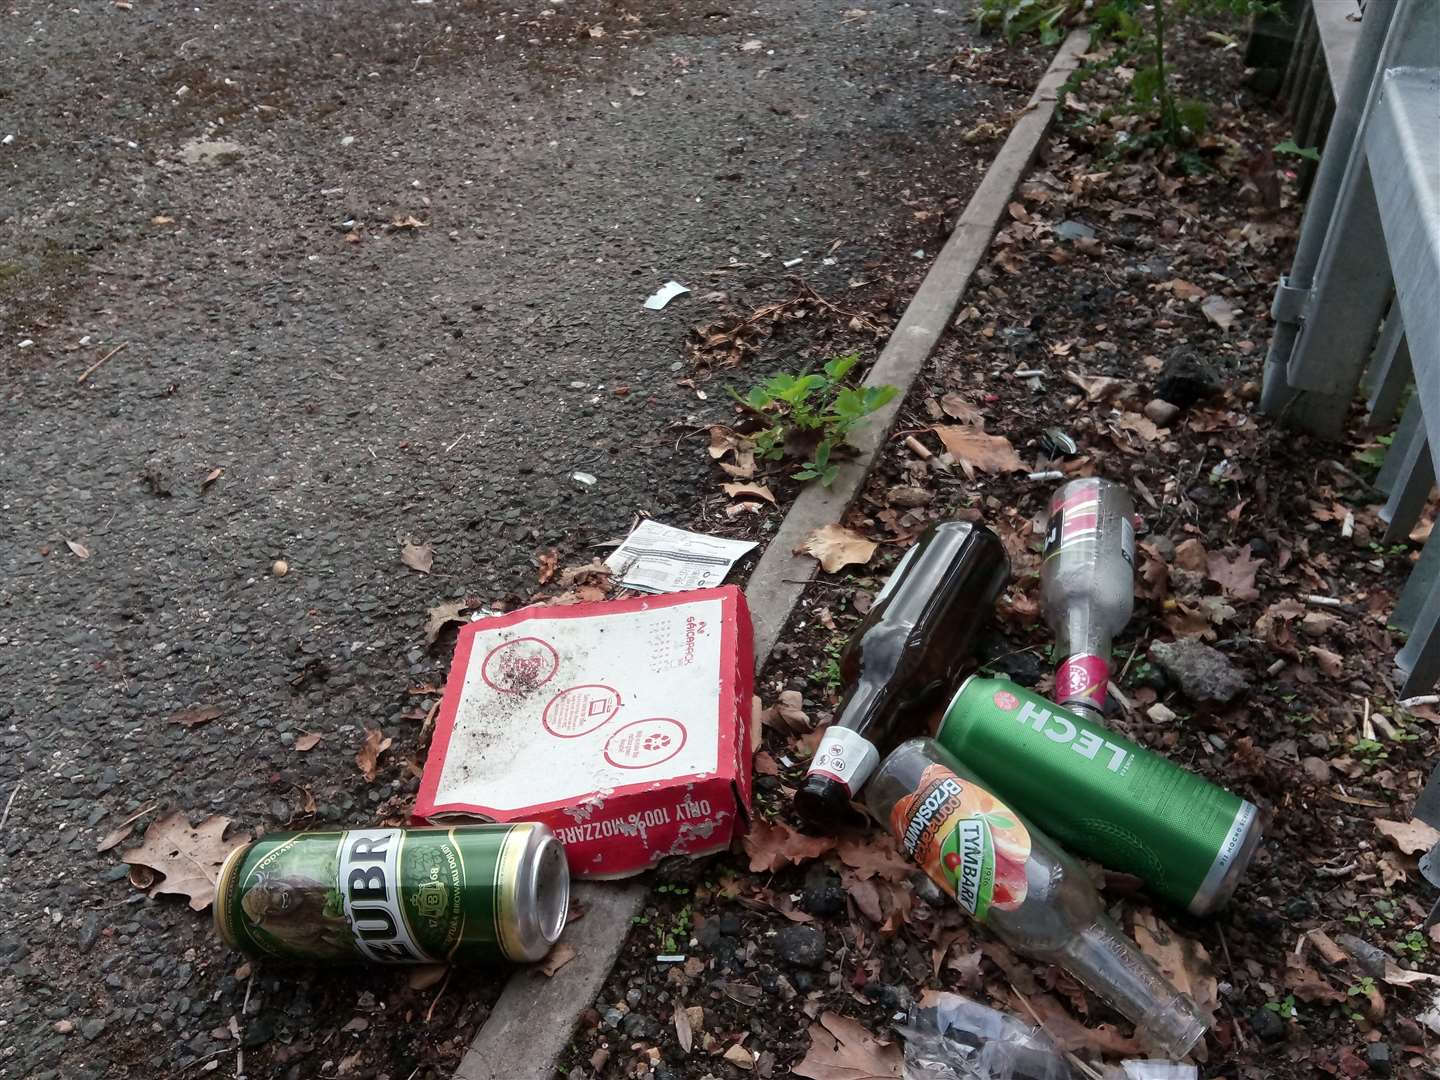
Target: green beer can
397, 896
1103, 796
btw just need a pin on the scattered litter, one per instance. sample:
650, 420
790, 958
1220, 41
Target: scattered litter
347, 140
670, 958
960, 1039
788, 263
1057, 444
1152, 1070
1074, 230
622, 724
588, 479
1028, 373
1048, 474
918, 253
1324, 601
27, 342
663, 295
7, 140
658, 558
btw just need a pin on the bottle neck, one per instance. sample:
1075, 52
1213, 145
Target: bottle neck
863, 706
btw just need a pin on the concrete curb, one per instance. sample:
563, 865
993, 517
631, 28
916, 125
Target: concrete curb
532, 1022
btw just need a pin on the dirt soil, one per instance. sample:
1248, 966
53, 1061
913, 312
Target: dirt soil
1094, 304
285, 288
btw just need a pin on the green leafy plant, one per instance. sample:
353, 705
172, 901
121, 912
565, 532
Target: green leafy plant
827, 675
1365, 986
1309, 153
1286, 1008
1017, 18
1413, 944
814, 405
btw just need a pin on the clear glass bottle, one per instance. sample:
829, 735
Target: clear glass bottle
914, 642
1087, 585
1012, 878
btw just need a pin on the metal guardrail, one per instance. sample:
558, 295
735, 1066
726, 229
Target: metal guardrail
1364, 288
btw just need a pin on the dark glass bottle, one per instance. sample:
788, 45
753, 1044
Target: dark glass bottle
914, 642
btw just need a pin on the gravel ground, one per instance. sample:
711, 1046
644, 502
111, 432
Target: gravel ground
373, 272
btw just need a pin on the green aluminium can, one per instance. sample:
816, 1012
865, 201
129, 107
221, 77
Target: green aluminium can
471, 893
1103, 796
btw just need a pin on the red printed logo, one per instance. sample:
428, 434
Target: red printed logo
1004, 699
520, 666
1082, 678
580, 710
642, 744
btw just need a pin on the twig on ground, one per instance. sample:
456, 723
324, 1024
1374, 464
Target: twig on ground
9, 803
439, 994
96, 366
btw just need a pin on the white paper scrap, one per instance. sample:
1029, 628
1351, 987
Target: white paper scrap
663, 295
659, 558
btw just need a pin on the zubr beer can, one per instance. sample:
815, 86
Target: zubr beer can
1103, 796
397, 896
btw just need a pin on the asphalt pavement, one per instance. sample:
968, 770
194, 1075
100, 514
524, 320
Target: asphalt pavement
355, 275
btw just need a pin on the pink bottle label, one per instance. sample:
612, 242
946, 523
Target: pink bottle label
1082, 678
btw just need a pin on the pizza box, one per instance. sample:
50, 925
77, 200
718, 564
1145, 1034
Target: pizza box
623, 725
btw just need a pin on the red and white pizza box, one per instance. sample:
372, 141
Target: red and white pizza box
623, 725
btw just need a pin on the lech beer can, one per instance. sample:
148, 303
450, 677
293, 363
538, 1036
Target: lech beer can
1103, 796
397, 896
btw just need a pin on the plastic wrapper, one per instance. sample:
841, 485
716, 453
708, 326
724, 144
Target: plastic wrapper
960, 1039
1152, 1070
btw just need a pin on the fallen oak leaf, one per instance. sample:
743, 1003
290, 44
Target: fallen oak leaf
368, 756
872, 855
441, 616
559, 956
193, 718
957, 408
1182, 960
1235, 574
308, 742
79, 550
121, 831
841, 1049
974, 448
417, 556
774, 845
742, 491
835, 547
1411, 837
189, 856
1073, 1035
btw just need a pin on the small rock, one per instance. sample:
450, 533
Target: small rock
611, 1020
92, 1028
1318, 769
1187, 377
89, 932
1161, 411
258, 1032
633, 998
279, 568
639, 1026
1204, 674
64, 1027
1377, 1056
1267, 1025
730, 924
800, 946
823, 895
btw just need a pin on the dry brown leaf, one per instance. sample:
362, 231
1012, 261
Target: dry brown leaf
741, 1058
368, 756
867, 898
1306, 983
957, 408
121, 831
441, 616
788, 714
408, 221
684, 1033
1181, 960
835, 546
559, 956
970, 445
189, 856
1411, 837
1073, 1035
417, 556
1098, 387
743, 491
1333, 664
192, 718
424, 976
775, 845
872, 854
1191, 555
79, 550
1140, 425
1235, 574
546, 562
307, 742
1182, 289
723, 440
744, 467
841, 1049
